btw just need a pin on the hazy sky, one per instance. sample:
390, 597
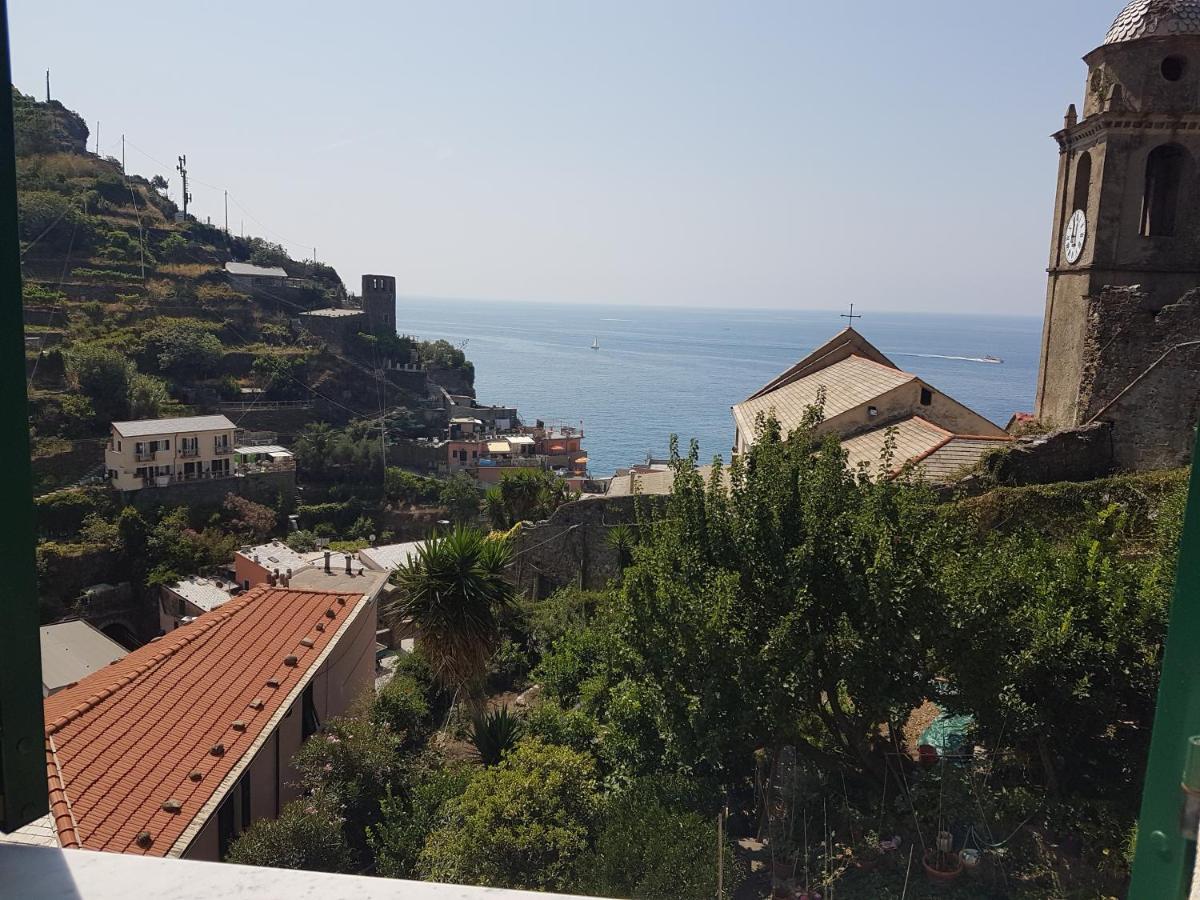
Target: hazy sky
764, 154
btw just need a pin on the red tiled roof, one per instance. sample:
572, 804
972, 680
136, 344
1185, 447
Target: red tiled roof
126, 739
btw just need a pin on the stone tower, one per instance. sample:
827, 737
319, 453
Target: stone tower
1122, 305
379, 302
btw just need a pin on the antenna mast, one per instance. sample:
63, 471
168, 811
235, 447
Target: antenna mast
182, 168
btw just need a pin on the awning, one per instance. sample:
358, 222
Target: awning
499, 447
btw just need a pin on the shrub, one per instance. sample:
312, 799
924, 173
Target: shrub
569, 727
493, 735
62, 513
648, 849
523, 824
104, 377
408, 817
307, 835
403, 708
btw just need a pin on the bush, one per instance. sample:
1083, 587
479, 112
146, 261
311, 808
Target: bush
307, 835
572, 728
104, 377
648, 849
493, 735
403, 708
407, 818
62, 513
524, 824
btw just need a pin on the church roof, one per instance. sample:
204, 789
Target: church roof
1155, 18
847, 384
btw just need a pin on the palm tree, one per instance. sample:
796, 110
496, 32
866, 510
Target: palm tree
454, 589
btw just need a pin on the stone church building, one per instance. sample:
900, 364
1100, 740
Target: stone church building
1121, 340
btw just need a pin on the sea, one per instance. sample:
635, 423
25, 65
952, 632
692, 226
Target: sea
662, 371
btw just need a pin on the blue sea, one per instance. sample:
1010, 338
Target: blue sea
662, 371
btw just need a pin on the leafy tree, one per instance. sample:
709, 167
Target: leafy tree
314, 447
454, 588
354, 761
147, 396
307, 835
185, 348
1042, 627
790, 602
460, 495
407, 487
408, 815
78, 416
251, 521
523, 824
526, 495
104, 377
159, 183
402, 707
648, 848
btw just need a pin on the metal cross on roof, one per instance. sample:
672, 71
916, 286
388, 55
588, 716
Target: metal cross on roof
851, 316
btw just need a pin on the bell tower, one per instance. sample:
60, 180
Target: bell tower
1125, 239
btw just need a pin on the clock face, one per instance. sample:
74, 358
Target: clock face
1076, 236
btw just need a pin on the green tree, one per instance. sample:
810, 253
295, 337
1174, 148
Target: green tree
1044, 627
788, 601
147, 396
307, 835
455, 589
461, 496
523, 824
402, 707
526, 495
648, 849
409, 814
249, 520
314, 447
103, 376
184, 348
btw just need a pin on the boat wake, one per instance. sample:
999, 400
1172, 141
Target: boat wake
989, 360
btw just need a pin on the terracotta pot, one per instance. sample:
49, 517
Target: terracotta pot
941, 876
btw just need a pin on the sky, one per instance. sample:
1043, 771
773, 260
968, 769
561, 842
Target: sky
661, 152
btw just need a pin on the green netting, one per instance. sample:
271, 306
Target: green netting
948, 734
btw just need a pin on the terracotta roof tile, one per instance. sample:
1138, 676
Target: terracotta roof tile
127, 738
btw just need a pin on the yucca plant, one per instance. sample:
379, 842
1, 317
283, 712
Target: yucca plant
494, 734
454, 590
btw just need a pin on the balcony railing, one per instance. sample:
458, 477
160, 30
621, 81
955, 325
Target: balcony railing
144, 455
189, 451
223, 449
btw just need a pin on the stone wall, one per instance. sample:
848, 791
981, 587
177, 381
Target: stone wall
572, 546
264, 488
1141, 373
1077, 454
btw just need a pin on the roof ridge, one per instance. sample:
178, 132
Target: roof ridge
222, 615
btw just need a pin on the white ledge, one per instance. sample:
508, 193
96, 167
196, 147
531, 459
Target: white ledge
39, 873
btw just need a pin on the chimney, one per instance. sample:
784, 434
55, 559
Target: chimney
271, 578
348, 558
328, 555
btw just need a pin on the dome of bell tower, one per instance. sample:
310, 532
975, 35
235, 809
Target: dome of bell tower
1155, 18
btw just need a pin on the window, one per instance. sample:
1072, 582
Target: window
1083, 182
872, 411
309, 723
244, 797
926, 397
225, 827
1174, 68
1165, 170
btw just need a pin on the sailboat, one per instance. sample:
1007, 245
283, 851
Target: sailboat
596, 343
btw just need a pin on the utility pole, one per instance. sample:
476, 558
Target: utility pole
97, 137
122, 154
182, 168
227, 214
47, 85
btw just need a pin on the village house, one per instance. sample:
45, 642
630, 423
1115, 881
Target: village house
251, 278
253, 566
237, 690
159, 452
867, 400
185, 600
71, 651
